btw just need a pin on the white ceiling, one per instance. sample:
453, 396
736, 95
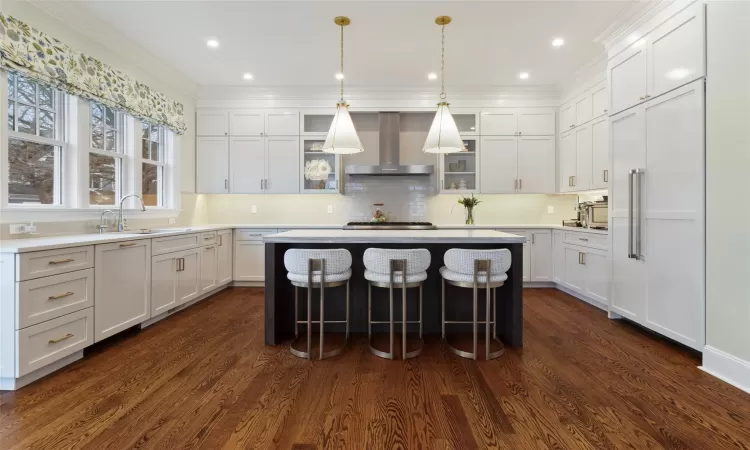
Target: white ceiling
389, 43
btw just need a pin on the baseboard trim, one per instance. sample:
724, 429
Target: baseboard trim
584, 298
192, 302
539, 284
726, 367
249, 284
12, 384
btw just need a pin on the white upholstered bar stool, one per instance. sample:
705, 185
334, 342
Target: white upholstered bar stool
393, 269
317, 269
470, 269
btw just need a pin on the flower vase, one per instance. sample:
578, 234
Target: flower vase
469, 215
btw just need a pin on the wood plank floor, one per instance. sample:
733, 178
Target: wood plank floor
203, 379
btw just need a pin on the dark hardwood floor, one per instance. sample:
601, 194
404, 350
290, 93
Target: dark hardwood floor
203, 378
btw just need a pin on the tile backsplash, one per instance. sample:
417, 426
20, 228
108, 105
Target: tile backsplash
404, 197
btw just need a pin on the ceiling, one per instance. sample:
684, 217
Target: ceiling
388, 43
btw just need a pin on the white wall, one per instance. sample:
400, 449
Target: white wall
727, 189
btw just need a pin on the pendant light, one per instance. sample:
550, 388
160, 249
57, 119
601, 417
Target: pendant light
342, 137
443, 136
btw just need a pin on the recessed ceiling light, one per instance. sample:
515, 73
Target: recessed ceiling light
558, 42
247, 76
432, 76
339, 76
212, 43
523, 75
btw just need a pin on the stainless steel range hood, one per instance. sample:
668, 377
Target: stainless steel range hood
389, 162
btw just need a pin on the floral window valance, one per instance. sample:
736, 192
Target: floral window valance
37, 55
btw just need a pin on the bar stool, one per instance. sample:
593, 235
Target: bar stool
469, 269
317, 269
392, 269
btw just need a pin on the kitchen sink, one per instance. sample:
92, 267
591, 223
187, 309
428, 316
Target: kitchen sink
157, 230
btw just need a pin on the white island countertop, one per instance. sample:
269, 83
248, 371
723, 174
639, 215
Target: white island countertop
394, 237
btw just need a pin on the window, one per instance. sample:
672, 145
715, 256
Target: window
153, 160
35, 142
106, 155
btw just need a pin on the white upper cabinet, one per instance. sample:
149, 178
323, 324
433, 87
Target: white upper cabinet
584, 148
536, 122
211, 123
499, 123
246, 123
568, 161
584, 111
600, 154
282, 123
536, 164
282, 165
599, 100
212, 165
627, 77
499, 168
567, 117
247, 168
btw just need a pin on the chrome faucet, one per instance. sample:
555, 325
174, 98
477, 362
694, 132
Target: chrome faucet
101, 226
120, 223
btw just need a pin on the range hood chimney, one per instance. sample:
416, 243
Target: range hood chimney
389, 162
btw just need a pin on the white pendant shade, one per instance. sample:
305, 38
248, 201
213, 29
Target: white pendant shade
342, 137
443, 136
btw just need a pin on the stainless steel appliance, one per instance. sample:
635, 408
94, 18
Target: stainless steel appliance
597, 214
389, 226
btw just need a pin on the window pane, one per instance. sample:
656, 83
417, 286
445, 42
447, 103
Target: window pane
97, 138
96, 114
26, 119
145, 128
11, 85
31, 172
11, 115
110, 116
102, 179
46, 97
154, 133
145, 149
155, 151
46, 124
110, 140
26, 90
150, 188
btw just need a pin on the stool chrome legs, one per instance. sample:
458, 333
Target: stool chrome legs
481, 268
317, 265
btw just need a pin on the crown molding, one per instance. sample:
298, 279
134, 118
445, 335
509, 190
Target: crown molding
633, 17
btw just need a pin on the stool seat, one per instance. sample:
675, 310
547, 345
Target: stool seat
330, 277
469, 278
378, 277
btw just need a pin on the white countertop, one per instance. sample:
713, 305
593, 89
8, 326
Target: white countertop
395, 237
76, 240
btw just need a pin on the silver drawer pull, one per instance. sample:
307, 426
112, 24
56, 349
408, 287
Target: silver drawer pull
55, 341
130, 244
205, 238
55, 297
208, 248
61, 261
583, 239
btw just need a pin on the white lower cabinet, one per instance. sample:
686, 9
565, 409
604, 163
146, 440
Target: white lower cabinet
250, 255
122, 287
540, 255
174, 280
224, 257
558, 257
208, 273
575, 271
586, 271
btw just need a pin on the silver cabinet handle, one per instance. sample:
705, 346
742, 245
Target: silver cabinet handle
515, 185
606, 175
442, 184
647, 96
642, 98
59, 296
520, 133
261, 184
606, 110
574, 180
520, 184
226, 185
532, 238
579, 257
583, 239
583, 259
221, 241
639, 173
631, 173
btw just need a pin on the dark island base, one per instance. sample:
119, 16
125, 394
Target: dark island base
279, 296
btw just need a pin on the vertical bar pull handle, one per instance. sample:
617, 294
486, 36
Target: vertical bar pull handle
639, 173
606, 176
631, 175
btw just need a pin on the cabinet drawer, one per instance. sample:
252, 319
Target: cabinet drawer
599, 241
252, 234
45, 343
208, 238
170, 244
50, 297
524, 233
53, 262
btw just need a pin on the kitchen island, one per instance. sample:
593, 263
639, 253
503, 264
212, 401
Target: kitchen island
279, 292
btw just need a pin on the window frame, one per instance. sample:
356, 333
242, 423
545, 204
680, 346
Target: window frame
119, 153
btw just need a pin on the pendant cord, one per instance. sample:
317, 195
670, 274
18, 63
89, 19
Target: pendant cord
342, 63
442, 64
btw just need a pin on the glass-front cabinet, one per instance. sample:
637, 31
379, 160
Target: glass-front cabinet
467, 122
459, 172
313, 123
320, 171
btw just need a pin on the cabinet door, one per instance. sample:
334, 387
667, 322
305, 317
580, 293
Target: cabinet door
249, 261
188, 277
600, 154
212, 165
558, 257
599, 100
536, 165
282, 165
246, 123
248, 165
224, 269
502, 123
208, 265
536, 122
584, 148
584, 109
568, 161
627, 78
567, 117
629, 290
163, 283
628, 149
211, 123
282, 123
499, 168
122, 287
676, 51
541, 255
598, 272
575, 270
